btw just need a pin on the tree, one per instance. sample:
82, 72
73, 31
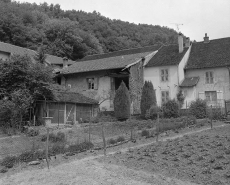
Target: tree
22, 83
180, 98
40, 56
148, 97
122, 103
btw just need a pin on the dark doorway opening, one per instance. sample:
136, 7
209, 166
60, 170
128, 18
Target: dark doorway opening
118, 81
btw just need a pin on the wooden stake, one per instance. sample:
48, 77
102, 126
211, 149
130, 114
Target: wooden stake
211, 117
90, 129
103, 136
157, 126
47, 148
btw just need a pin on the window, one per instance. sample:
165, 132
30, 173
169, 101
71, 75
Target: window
164, 96
164, 75
90, 83
211, 95
209, 77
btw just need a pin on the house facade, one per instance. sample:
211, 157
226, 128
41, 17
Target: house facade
166, 69
99, 76
207, 72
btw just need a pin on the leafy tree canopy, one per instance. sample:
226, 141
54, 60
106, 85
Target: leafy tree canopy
72, 33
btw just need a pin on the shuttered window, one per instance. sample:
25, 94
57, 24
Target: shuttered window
164, 96
209, 77
164, 75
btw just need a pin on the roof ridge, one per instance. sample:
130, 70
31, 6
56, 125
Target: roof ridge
123, 50
213, 40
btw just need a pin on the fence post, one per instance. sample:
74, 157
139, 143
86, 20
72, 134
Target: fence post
47, 147
211, 117
157, 126
90, 129
103, 137
186, 114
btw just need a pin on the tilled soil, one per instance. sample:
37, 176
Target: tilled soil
202, 158
113, 169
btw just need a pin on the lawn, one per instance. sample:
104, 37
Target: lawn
202, 158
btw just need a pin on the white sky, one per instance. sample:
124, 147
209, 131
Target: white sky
197, 16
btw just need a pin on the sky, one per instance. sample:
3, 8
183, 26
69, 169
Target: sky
197, 16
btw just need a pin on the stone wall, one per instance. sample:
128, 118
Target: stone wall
136, 82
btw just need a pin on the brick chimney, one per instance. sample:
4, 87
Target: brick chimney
180, 42
187, 42
206, 38
65, 61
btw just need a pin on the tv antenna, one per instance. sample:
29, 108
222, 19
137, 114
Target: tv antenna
178, 26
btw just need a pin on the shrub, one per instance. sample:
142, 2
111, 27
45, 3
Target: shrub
198, 108
112, 141
120, 139
145, 133
59, 137
180, 98
122, 103
152, 112
75, 148
26, 156
170, 109
9, 161
32, 132
148, 98
58, 148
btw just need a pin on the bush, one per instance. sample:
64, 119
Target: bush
152, 112
60, 137
170, 109
145, 133
75, 148
57, 148
9, 161
26, 156
32, 132
112, 141
122, 102
148, 98
198, 108
120, 139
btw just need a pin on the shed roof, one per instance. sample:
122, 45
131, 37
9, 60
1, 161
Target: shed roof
189, 82
216, 53
73, 97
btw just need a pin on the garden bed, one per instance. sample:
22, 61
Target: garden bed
201, 158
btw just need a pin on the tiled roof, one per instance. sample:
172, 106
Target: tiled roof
123, 52
73, 97
12, 49
105, 63
189, 82
167, 55
216, 53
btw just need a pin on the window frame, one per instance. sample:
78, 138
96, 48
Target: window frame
212, 97
164, 96
91, 83
164, 75
209, 77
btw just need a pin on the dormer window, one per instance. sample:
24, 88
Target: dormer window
209, 79
164, 75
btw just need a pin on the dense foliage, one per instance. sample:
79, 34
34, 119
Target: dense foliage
72, 33
148, 97
180, 98
198, 108
122, 103
22, 82
170, 109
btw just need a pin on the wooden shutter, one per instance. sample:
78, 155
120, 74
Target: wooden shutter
201, 95
96, 80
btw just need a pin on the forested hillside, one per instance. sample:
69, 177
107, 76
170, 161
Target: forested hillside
73, 33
